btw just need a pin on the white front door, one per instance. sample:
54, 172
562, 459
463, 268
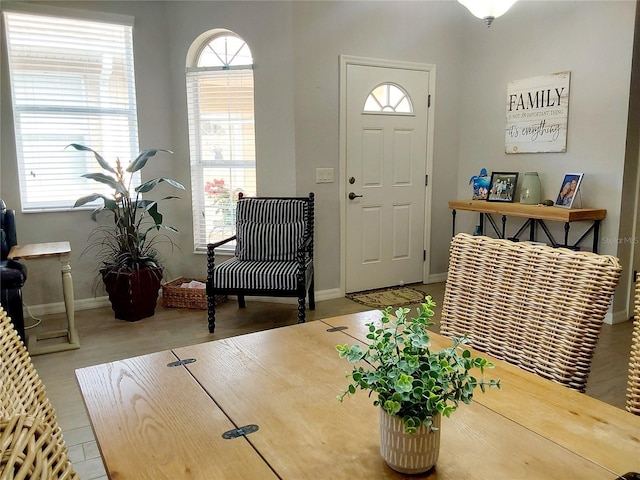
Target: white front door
386, 160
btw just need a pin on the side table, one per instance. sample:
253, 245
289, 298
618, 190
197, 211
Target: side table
61, 250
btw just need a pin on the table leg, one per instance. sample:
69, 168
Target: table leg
532, 229
69, 305
453, 222
36, 346
596, 234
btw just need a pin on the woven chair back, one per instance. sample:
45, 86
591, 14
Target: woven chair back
31, 443
633, 385
537, 307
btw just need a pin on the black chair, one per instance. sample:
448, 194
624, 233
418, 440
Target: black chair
273, 255
13, 274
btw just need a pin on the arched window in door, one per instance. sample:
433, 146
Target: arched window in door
388, 98
221, 132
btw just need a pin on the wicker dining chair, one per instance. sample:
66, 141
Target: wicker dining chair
633, 384
537, 307
31, 443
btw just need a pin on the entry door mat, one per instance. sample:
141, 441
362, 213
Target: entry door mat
385, 297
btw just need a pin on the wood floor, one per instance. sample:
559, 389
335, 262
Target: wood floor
105, 339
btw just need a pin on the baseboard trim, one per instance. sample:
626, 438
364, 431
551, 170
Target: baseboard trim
617, 317
329, 294
437, 278
58, 307
99, 302
321, 295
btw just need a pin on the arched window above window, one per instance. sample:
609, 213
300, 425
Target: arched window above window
388, 98
221, 132
225, 50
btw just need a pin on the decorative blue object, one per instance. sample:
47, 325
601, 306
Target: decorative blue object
480, 185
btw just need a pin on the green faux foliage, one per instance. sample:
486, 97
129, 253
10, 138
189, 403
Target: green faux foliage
410, 380
127, 243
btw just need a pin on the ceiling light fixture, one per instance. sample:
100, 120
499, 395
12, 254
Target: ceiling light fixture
488, 10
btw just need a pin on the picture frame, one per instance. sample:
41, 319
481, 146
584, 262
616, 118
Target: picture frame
502, 187
569, 189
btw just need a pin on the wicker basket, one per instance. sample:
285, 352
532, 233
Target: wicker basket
175, 296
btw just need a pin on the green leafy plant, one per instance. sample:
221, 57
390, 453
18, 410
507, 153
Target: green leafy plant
129, 242
410, 380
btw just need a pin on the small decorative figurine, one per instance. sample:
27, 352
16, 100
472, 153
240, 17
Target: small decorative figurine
480, 185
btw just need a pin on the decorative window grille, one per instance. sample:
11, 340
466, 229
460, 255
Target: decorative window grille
72, 81
221, 134
388, 98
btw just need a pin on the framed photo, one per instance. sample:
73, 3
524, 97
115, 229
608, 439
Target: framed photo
569, 189
502, 186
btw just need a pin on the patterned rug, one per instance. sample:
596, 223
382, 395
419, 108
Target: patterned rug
384, 297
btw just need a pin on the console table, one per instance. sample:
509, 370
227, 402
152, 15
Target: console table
534, 215
61, 250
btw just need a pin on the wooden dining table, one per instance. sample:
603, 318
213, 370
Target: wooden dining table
264, 405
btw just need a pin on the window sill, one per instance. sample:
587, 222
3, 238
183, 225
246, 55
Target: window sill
228, 249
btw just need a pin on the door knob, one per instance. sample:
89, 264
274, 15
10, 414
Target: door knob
353, 196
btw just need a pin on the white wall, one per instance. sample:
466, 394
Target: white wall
424, 32
154, 106
296, 47
629, 232
266, 27
567, 39
594, 41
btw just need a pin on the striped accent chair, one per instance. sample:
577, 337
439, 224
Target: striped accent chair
273, 255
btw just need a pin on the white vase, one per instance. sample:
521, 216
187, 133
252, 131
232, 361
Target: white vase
530, 190
408, 452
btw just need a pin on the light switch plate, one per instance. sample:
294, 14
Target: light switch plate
324, 175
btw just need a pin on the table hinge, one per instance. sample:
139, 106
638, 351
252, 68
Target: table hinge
180, 363
337, 329
239, 432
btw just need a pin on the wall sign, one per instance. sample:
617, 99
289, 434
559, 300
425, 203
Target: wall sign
537, 112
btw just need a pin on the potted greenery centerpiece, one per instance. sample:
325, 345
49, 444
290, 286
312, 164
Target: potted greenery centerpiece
414, 385
126, 248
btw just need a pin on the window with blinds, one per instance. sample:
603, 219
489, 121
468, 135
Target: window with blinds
221, 135
72, 81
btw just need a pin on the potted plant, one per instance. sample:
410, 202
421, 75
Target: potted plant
413, 385
126, 246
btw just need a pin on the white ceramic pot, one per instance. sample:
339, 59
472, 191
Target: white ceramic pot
408, 452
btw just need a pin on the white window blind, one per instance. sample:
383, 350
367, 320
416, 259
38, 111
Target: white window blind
221, 136
72, 81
